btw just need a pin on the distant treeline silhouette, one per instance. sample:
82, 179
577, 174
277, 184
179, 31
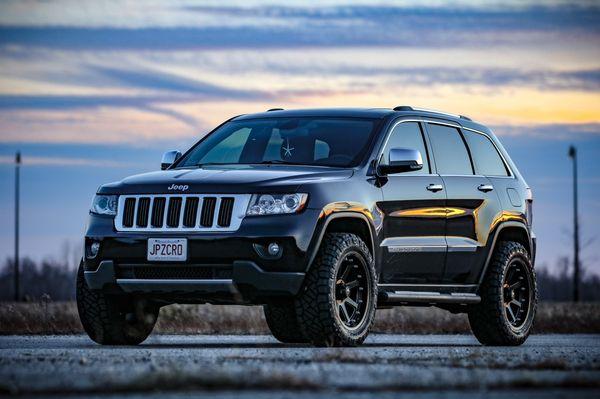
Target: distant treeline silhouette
52, 279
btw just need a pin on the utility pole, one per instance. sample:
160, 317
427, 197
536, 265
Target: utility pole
17, 171
573, 156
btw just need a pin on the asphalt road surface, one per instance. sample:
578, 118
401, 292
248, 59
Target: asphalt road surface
411, 366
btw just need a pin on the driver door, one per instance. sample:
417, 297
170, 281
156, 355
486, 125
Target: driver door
414, 246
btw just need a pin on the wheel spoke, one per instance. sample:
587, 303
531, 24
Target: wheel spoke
352, 284
351, 302
516, 303
345, 311
516, 285
509, 275
344, 275
512, 314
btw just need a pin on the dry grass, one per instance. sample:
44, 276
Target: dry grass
62, 318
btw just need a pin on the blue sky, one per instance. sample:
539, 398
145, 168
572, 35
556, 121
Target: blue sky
93, 91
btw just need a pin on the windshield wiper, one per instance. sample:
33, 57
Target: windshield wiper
200, 165
278, 162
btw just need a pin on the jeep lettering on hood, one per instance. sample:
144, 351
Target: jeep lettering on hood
180, 187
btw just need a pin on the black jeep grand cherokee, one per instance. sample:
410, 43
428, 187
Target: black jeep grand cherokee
321, 216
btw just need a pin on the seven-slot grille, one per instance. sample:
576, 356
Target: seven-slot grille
189, 212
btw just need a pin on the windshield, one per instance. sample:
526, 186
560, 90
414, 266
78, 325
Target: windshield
315, 141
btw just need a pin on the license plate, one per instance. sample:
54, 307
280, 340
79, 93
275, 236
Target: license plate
167, 249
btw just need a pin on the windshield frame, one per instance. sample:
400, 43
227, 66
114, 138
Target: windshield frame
357, 162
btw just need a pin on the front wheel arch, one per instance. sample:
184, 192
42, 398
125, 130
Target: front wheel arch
346, 222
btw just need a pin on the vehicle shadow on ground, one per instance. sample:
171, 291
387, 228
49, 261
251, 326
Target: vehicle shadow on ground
276, 345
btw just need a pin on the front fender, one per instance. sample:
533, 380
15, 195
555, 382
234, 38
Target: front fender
355, 211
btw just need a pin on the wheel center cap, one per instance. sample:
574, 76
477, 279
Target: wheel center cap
347, 291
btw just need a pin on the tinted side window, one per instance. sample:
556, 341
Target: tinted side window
485, 156
407, 135
451, 156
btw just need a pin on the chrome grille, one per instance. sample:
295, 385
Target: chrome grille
186, 212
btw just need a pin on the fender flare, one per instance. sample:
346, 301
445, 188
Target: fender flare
318, 239
492, 246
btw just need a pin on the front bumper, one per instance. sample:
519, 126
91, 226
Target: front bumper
293, 233
248, 283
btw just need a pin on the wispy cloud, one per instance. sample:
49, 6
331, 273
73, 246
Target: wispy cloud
62, 161
558, 131
347, 25
156, 80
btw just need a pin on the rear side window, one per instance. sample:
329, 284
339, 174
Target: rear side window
485, 156
407, 135
449, 151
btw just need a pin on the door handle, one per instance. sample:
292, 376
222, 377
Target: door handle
435, 187
485, 187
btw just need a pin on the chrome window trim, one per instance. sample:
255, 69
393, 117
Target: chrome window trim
387, 138
446, 123
506, 164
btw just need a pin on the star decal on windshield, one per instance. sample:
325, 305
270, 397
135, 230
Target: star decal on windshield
287, 151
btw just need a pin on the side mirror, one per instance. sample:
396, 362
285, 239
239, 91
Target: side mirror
169, 158
402, 160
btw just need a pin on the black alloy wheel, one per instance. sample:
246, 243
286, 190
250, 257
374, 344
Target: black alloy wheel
516, 292
352, 290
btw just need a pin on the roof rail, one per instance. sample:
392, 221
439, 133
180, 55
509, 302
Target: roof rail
275, 109
433, 111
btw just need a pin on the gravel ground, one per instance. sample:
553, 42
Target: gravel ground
223, 366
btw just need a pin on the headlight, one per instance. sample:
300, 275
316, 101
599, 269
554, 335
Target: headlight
104, 205
275, 204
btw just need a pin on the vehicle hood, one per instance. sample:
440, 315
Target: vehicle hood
225, 179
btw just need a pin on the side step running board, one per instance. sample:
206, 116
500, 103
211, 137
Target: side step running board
400, 297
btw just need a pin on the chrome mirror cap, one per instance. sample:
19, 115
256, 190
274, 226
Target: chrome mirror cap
402, 160
169, 158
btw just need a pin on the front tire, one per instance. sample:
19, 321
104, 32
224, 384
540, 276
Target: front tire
508, 298
336, 306
113, 320
283, 322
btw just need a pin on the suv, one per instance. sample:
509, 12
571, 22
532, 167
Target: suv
321, 216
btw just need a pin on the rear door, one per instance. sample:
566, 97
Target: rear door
413, 204
471, 206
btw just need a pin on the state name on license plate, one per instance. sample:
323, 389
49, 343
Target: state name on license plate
167, 249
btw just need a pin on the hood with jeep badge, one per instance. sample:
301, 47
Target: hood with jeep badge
225, 179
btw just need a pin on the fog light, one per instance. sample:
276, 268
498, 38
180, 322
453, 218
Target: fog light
94, 248
273, 249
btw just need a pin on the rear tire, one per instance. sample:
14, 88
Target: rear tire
337, 303
508, 293
113, 320
283, 323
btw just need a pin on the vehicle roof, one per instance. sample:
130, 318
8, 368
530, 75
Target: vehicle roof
327, 112
376, 113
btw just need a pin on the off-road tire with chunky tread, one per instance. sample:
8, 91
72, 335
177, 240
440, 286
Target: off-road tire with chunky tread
315, 303
283, 323
104, 319
487, 319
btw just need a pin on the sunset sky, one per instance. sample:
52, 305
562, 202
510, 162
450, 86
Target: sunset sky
91, 92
